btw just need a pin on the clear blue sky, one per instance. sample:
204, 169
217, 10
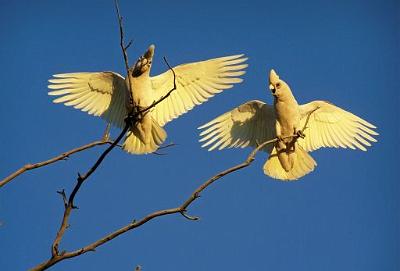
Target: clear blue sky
343, 216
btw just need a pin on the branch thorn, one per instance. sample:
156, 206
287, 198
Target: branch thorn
128, 45
64, 197
184, 214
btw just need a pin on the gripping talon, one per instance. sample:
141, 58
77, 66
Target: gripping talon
300, 133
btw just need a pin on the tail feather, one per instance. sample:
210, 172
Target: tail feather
302, 165
133, 144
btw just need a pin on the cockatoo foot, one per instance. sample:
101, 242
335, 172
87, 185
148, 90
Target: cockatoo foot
300, 133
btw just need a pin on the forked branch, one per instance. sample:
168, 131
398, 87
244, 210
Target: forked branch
182, 209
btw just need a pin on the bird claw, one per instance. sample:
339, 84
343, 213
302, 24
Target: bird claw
280, 138
300, 133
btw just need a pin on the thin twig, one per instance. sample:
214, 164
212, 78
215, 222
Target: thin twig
167, 146
163, 147
166, 95
124, 49
62, 156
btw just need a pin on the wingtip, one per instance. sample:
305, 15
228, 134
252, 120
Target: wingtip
205, 125
58, 75
52, 86
237, 57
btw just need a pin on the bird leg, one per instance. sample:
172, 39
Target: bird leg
144, 126
280, 144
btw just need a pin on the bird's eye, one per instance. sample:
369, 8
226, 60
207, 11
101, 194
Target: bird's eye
278, 85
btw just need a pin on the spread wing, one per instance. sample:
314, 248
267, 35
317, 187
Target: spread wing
331, 126
250, 124
101, 94
195, 84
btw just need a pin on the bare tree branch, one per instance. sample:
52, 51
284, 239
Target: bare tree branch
62, 156
124, 49
81, 178
182, 209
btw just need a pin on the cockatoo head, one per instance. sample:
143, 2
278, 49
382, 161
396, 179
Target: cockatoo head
143, 64
277, 86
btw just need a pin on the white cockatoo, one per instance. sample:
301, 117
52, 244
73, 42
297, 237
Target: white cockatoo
255, 122
106, 94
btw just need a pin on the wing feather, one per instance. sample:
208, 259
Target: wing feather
195, 83
97, 93
331, 126
250, 124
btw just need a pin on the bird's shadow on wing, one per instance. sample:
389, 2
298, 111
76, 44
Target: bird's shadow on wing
252, 127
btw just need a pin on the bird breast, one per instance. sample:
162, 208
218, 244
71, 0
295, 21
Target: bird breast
142, 91
288, 116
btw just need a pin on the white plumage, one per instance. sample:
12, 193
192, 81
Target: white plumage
106, 94
255, 122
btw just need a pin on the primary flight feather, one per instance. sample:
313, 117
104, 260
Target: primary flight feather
106, 94
255, 122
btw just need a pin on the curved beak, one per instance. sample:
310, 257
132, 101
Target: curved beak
273, 79
143, 64
149, 53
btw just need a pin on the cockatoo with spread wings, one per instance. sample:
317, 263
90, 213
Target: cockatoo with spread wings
106, 94
255, 122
